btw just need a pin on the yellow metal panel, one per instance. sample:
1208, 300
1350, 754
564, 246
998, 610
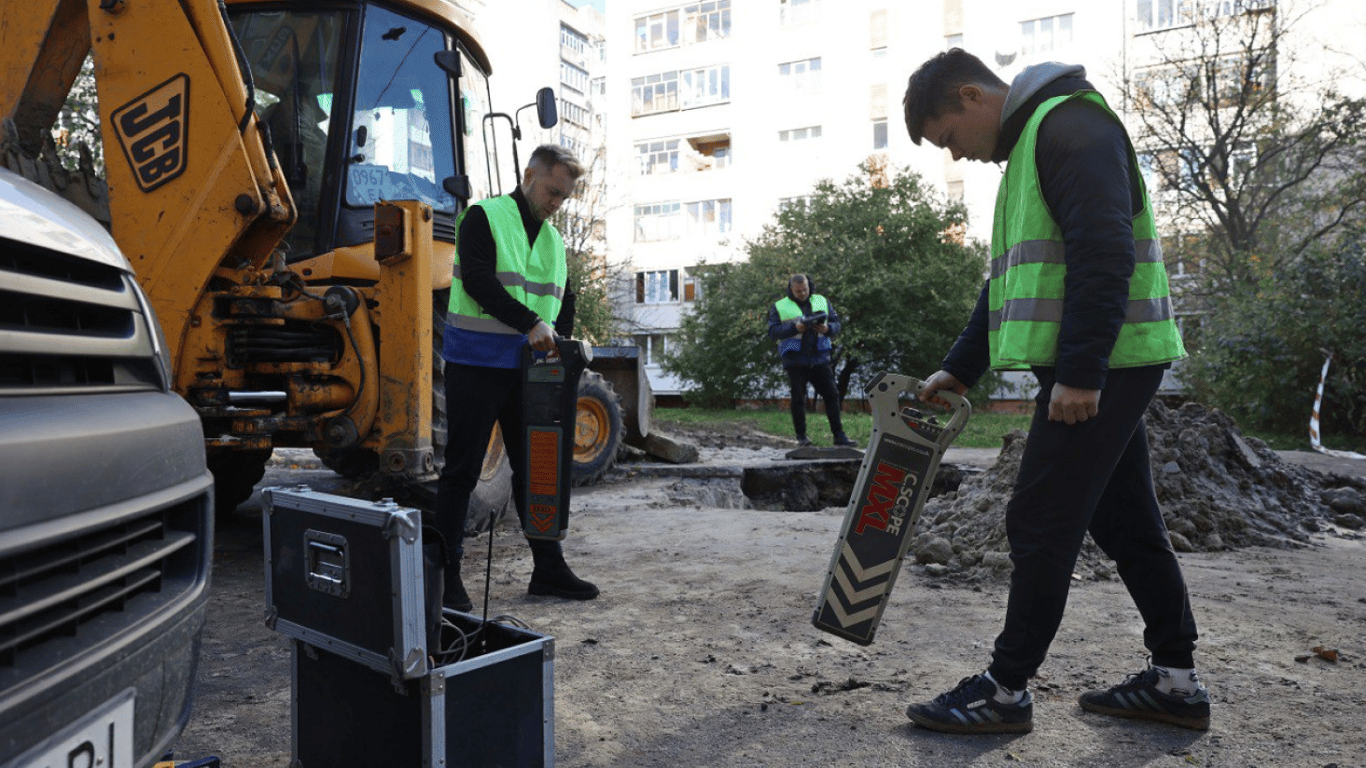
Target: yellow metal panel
175, 161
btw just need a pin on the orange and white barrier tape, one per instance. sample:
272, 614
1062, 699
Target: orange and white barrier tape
1314, 421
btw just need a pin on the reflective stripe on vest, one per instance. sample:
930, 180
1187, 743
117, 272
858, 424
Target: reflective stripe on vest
791, 310
533, 275
1025, 293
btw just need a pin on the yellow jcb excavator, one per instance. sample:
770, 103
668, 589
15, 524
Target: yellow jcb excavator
285, 178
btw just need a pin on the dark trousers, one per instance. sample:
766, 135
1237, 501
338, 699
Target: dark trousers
476, 398
822, 379
1093, 476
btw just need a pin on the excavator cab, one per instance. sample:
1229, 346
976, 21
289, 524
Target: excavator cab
357, 110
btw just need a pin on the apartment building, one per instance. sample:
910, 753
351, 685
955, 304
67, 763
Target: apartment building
536, 44
722, 111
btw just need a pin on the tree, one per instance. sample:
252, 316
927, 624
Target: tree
1265, 344
580, 222
884, 248
1249, 157
77, 128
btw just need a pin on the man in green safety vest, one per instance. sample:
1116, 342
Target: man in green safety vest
803, 323
507, 290
1078, 295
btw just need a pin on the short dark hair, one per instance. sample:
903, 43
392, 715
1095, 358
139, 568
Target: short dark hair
547, 156
932, 90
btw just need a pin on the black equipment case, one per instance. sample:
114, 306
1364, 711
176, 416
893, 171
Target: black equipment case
375, 681
346, 575
495, 708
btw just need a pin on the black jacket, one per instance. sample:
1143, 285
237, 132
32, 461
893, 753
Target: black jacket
1085, 171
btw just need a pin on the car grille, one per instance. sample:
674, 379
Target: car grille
66, 595
70, 325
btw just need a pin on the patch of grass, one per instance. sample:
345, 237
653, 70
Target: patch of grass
983, 430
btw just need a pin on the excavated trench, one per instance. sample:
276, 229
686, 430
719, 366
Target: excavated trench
799, 486
1218, 489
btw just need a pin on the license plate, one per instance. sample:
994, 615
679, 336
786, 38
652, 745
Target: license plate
102, 739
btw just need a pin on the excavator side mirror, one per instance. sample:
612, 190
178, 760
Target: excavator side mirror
546, 113
458, 186
449, 61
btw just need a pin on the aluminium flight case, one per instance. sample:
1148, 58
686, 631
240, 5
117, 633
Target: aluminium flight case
347, 576
495, 707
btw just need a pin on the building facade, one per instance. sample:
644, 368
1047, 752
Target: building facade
723, 111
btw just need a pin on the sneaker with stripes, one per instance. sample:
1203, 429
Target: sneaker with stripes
971, 707
1139, 697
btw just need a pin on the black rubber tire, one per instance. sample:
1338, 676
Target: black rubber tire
492, 498
598, 429
235, 475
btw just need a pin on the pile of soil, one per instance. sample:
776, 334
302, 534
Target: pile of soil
1218, 489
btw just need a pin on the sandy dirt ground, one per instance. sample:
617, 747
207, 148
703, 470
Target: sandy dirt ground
700, 650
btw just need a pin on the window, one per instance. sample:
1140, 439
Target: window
955, 191
714, 152
573, 113
1165, 14
706, 86
574, 77
801, 76
658, 221
879, 134
653, 347
692, 287
706, 21
877, 101
654, 93
598, 87
879, 54
877, 29
1046, 34
953, 41
800, 134
659, 30
657, 157
658, 287
801, 202
797, 11
1242, 79
572, 41
708, 218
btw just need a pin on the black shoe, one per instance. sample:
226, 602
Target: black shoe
1138, 697
843, 439
803, 441
971, 708
556, 579
455, 595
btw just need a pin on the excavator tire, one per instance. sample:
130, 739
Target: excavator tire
492, 498
235, 474
598, 429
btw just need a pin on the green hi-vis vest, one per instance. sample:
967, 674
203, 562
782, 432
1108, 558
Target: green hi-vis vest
1027, 270
535, 276
791, 310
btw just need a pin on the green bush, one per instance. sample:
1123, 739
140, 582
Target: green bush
1261, 350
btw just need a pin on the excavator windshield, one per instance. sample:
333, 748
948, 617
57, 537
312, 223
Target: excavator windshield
359, 111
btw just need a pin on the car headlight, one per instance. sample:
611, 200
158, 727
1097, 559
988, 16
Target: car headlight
161, 352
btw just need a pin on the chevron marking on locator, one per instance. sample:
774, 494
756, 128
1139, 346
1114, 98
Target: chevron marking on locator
845, 619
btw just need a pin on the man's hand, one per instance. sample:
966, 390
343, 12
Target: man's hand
822, 329
1072, 405
799, 326
541, 337
941, 380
